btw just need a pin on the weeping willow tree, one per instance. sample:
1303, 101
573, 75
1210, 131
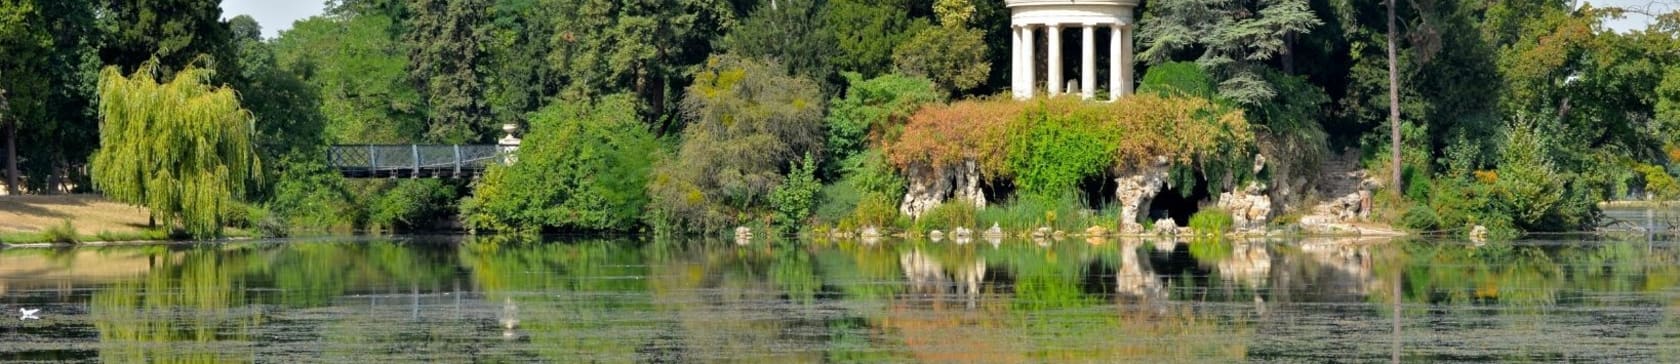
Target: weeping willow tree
182, 148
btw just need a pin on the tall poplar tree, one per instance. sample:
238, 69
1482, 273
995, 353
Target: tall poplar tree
447, 42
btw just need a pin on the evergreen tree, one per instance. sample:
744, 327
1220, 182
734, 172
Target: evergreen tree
1234, 39
175, 32
447, 46
647, 47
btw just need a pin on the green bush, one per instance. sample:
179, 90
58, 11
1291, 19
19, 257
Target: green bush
1178, 79
310, 196
797, 196
64, 232
1420, 218
1064, 211
748, 119
1532, 191
874, 106
1211, 222
949, 215
410, 203
583, 166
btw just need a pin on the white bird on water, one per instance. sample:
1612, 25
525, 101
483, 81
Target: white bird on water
28, 314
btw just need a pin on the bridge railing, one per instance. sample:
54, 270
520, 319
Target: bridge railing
413, 159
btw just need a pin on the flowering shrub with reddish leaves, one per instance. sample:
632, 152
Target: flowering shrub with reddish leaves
1046, 145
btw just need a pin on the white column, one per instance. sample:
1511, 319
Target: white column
1114, 87
1088, 72
1053, 39
1029, 62
1127, 59
1015, 73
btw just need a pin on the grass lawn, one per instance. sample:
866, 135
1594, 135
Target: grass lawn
41, 219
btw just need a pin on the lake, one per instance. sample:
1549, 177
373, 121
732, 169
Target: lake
578, 300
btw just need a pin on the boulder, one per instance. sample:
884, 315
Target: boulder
1250, 208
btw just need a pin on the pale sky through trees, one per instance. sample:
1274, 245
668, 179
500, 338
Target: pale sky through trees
273, 15
277, 15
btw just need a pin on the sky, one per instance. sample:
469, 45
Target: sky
277, 15
273, 15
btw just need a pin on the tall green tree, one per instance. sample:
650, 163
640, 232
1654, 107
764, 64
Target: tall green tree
520, 79
750, 120
647, 47
22, 88
793, 34
287, 110
69, 117
867, 31
1230, 38
953, 54
582, 167
359, 74
447, 42
175, 32
182, 149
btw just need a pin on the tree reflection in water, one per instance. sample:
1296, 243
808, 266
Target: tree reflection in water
611, 300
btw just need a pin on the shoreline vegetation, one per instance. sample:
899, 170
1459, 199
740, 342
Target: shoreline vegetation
840, 116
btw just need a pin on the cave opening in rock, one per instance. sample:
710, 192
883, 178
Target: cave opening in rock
1173, 203
1098, 191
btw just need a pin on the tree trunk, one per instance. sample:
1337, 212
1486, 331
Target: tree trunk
11, 158
1393, 103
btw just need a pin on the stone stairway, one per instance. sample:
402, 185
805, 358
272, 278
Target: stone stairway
1341, 192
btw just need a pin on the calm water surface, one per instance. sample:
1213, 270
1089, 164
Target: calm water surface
570, 301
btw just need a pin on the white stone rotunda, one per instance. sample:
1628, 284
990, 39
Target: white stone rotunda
1030, 18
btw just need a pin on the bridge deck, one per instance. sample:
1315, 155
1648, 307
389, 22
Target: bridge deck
412, 161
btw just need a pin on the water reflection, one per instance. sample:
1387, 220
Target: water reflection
887, 301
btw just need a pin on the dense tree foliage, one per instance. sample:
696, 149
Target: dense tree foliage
582, 167
1234, 39
646, 47
793, 34
175, 32
22, 89
696, 114
182, 149
749, 120
446, 40
870, 110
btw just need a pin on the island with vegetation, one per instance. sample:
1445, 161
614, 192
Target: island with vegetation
837, 118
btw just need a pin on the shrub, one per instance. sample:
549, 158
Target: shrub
948, 215
1531, 189
1211, 222
871, 109
1420, 218
409, 203
748, 119
309, 196
583, 166
64, 232
1049, 145
1183, 79
797, 196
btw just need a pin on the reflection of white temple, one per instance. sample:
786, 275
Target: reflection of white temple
1051, 19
